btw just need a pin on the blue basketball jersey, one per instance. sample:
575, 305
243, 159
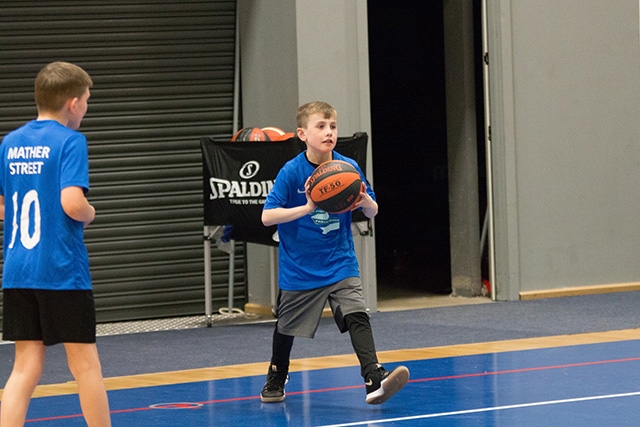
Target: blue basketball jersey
315, 250
43, 247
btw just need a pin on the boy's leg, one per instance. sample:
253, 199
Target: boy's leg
23, 380
281, 350
362, 340
299, 314
84, 365
380, 383
273, 390
350, 314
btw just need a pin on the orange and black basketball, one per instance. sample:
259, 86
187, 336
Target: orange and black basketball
286, 136
335, 186
273, 132
250, 134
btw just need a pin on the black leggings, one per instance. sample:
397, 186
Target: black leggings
361, 339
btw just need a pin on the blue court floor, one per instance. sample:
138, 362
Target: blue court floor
574, 385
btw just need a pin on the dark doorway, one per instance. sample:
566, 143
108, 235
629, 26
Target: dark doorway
409, 145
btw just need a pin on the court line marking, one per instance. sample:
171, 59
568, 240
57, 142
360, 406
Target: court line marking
490, 409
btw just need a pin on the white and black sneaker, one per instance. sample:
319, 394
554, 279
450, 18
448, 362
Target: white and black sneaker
382, 384
273, 390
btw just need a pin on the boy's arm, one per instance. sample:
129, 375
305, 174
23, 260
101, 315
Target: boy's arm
76, 205
1, 208
280, 215
368, 205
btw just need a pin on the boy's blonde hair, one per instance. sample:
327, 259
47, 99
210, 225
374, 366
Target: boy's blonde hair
57, 82
316, 107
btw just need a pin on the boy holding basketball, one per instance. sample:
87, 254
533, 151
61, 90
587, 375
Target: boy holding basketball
47, 292
317, 262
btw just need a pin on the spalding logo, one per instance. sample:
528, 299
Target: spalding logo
249, 169
222, 188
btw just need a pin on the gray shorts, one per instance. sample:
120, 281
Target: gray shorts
299, 312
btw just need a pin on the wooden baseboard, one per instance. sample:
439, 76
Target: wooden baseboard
579, 290
265, 310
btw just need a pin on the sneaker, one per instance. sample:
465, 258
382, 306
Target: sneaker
382, 384
273, 390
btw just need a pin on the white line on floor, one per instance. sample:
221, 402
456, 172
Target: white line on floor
496, 408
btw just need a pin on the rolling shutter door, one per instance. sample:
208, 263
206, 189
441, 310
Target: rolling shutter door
163, 77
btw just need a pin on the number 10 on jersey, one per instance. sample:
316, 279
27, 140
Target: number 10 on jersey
28, 238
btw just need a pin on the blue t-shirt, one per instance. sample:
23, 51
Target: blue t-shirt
43, 247
315, 250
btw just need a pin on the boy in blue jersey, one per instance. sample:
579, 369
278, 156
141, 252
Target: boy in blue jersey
46, 284
317, 262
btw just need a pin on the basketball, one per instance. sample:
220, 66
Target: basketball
250, 134
335, 186
273, 133
285, 136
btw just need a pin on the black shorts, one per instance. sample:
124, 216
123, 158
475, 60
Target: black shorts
52, 317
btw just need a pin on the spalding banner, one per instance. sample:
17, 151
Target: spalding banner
237, 176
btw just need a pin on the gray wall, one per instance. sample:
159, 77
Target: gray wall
564, 102
462, 147
565, 108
